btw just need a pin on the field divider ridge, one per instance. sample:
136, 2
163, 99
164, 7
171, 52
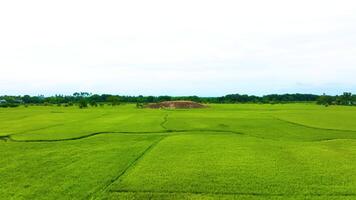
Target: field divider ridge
313, 127
237, 193
129, 167
9, 138
165, 120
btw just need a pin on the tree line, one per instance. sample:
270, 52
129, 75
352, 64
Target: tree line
346, 98
83, 99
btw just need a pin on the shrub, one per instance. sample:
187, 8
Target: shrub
83, 104
9, 105
139, 105
93, 104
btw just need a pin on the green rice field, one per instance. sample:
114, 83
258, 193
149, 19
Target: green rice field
232, 151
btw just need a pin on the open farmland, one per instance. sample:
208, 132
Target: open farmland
241, 151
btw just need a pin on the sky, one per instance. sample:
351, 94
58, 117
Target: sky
182, 47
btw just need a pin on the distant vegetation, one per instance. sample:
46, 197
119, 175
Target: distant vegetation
345, 99
83, 99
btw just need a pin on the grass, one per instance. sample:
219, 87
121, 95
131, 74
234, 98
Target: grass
242, 151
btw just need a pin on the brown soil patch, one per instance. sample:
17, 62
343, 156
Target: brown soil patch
175, 104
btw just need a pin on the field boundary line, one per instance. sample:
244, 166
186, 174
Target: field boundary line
313, 127
164, 133
234, 193
9, 137
165, 120
129, 167
5, 138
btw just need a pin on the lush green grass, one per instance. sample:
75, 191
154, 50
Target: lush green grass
244, 151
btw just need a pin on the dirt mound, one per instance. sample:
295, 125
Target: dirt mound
175, 104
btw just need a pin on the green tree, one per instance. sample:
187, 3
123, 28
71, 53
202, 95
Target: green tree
324, 100
83, 103
93, 103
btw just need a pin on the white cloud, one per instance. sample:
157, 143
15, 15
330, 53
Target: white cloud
177, 47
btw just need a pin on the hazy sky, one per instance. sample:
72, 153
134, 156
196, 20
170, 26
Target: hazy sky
180, 47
